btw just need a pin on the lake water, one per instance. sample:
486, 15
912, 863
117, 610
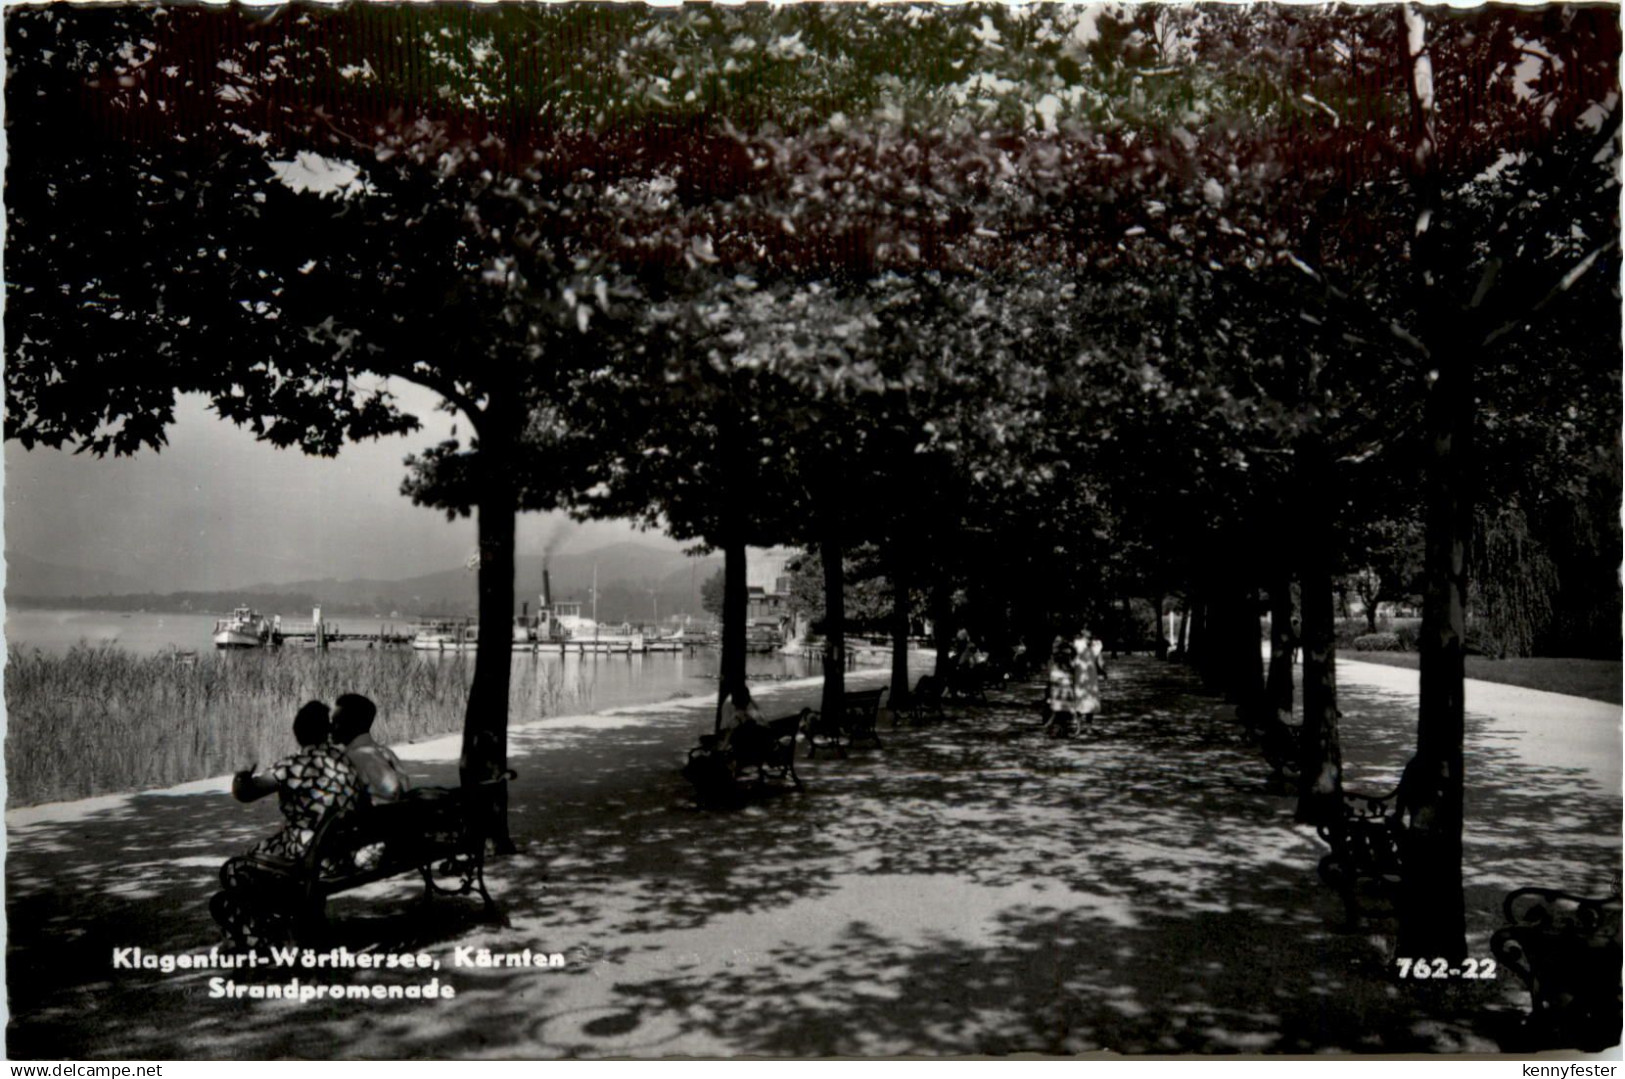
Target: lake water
597, 682
54, 632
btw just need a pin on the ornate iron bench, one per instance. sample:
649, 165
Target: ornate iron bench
1367, 841
1566, 949
432, 831
718, 773
859, 712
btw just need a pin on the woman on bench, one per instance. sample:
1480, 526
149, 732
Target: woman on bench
745, 737
307, 784
742, 743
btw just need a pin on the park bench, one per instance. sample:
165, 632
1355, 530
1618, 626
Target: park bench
720, 775
927, 694
1566, 949
856, 722
1367, 840
968, 679
430, 831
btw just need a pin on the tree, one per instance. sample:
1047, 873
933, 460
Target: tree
1390, 550
711, 592
1452, 280
448, 257
1411, 145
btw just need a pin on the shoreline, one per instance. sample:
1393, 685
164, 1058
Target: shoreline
116, 721
1530, 705
439, 750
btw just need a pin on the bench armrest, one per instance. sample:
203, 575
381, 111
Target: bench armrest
1551, 908
1360, 805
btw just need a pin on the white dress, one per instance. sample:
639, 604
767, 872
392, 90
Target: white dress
1086, 679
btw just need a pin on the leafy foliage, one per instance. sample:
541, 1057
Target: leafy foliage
1049, 305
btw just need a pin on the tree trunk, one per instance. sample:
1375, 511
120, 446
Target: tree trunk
1218, 647
1160, 603
830, 552
1226, 652
1197, 641
1242, 670
1278, 691
1183, 645
485, 724
735, 607
1432, 912
942, 617
899, 634
1321, 764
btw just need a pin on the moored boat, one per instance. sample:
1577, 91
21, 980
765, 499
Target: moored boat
246, 628
446, 635
526, 628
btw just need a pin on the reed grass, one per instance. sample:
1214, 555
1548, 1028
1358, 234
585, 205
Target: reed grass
100, 720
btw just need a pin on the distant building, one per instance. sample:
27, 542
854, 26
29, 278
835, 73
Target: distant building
763, 607
767, 591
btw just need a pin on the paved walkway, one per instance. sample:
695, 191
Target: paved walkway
1543, 776
1542, 730
970, 888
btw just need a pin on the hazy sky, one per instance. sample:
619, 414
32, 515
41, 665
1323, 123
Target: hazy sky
218, 510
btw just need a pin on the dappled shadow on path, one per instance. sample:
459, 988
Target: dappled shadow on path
1526, 823
972, 887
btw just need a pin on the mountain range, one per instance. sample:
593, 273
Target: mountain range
29, 576
635, 583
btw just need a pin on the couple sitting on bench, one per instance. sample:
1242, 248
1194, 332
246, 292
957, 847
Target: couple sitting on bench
338, 768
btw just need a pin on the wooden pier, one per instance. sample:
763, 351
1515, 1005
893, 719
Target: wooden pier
586, 646
391, 638
327, 633
320, 634
589, 646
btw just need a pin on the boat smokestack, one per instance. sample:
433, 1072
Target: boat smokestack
547, 590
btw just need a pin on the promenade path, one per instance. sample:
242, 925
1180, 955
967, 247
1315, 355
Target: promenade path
971, 888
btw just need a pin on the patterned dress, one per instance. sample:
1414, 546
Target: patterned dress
1063, 679
309, 783
1076, 669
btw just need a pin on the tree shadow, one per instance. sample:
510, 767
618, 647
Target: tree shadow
973, 887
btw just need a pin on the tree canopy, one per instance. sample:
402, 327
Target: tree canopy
1047, 306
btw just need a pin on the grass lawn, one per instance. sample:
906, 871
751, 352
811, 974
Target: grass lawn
1594, 679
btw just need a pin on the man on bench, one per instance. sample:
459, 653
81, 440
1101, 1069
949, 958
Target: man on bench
383, 781
380, 770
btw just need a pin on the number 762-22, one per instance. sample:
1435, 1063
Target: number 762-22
1441, 968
